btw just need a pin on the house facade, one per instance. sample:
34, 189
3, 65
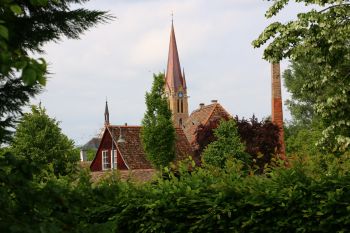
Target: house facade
121, 149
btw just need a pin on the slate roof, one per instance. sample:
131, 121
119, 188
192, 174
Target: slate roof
132, 151
92, 144
202, 116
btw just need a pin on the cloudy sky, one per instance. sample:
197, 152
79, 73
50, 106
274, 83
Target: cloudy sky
117, 60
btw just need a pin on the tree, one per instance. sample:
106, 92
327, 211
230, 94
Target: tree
40, 142
158, 133
305, 129
25, 26
321, 36
259, 137
227, 146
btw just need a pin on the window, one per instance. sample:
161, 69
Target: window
178, 105
182, 106
180, 122
114, 158
105, 161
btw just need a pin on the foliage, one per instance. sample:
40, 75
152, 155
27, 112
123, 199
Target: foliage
91, 154
228, 145
302, 139
40, 142
25, 26
312, 196
301, 103
320, 36
158, 133
204, 135
259, 137
305, 130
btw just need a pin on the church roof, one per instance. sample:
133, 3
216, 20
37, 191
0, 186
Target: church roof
202, 116
132, 151
174, 78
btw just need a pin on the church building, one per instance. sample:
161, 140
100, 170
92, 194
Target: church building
121, 147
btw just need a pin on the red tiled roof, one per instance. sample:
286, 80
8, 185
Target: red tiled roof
202, 116
138, 175
132, 151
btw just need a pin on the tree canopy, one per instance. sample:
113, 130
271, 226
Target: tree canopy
227, 146
320, 35
40, 142
158, 132
25, 27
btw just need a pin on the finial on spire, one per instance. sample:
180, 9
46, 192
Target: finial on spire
172, 17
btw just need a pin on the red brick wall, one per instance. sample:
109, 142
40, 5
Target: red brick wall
277, 107
106, 144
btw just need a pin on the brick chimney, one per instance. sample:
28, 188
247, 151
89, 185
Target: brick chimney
201, 105
277, 110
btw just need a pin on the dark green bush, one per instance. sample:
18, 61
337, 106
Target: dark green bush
312, 196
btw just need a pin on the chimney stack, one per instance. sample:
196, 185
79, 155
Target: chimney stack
277, 110
214, 101
201, 105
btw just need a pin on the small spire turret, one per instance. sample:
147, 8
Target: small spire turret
106, 114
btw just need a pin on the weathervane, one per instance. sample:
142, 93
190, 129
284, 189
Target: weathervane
172, 17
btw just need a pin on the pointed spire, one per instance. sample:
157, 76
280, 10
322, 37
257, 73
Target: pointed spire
106, 114
173, 76
184, 79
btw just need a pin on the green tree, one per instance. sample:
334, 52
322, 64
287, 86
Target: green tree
319, 35
158, 133
305, 129
227, 146
25, 26
40, 142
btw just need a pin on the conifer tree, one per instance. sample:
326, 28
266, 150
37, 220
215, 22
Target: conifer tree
158, 133
25, 26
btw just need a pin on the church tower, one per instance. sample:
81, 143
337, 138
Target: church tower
175, 84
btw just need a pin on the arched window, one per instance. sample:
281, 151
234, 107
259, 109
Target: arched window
178, 105
180, 122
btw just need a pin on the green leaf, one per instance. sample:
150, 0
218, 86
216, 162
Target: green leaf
17, 10
42, 80
29, 76
4, 32
39, 2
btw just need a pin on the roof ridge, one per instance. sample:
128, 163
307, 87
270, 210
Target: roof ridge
125, 126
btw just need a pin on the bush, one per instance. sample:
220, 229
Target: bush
228, 145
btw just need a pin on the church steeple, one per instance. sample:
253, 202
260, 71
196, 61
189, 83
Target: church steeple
174, 78
175, 84
106, 114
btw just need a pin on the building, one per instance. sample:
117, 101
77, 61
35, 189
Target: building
121, 147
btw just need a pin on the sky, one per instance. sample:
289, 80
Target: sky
117, 61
